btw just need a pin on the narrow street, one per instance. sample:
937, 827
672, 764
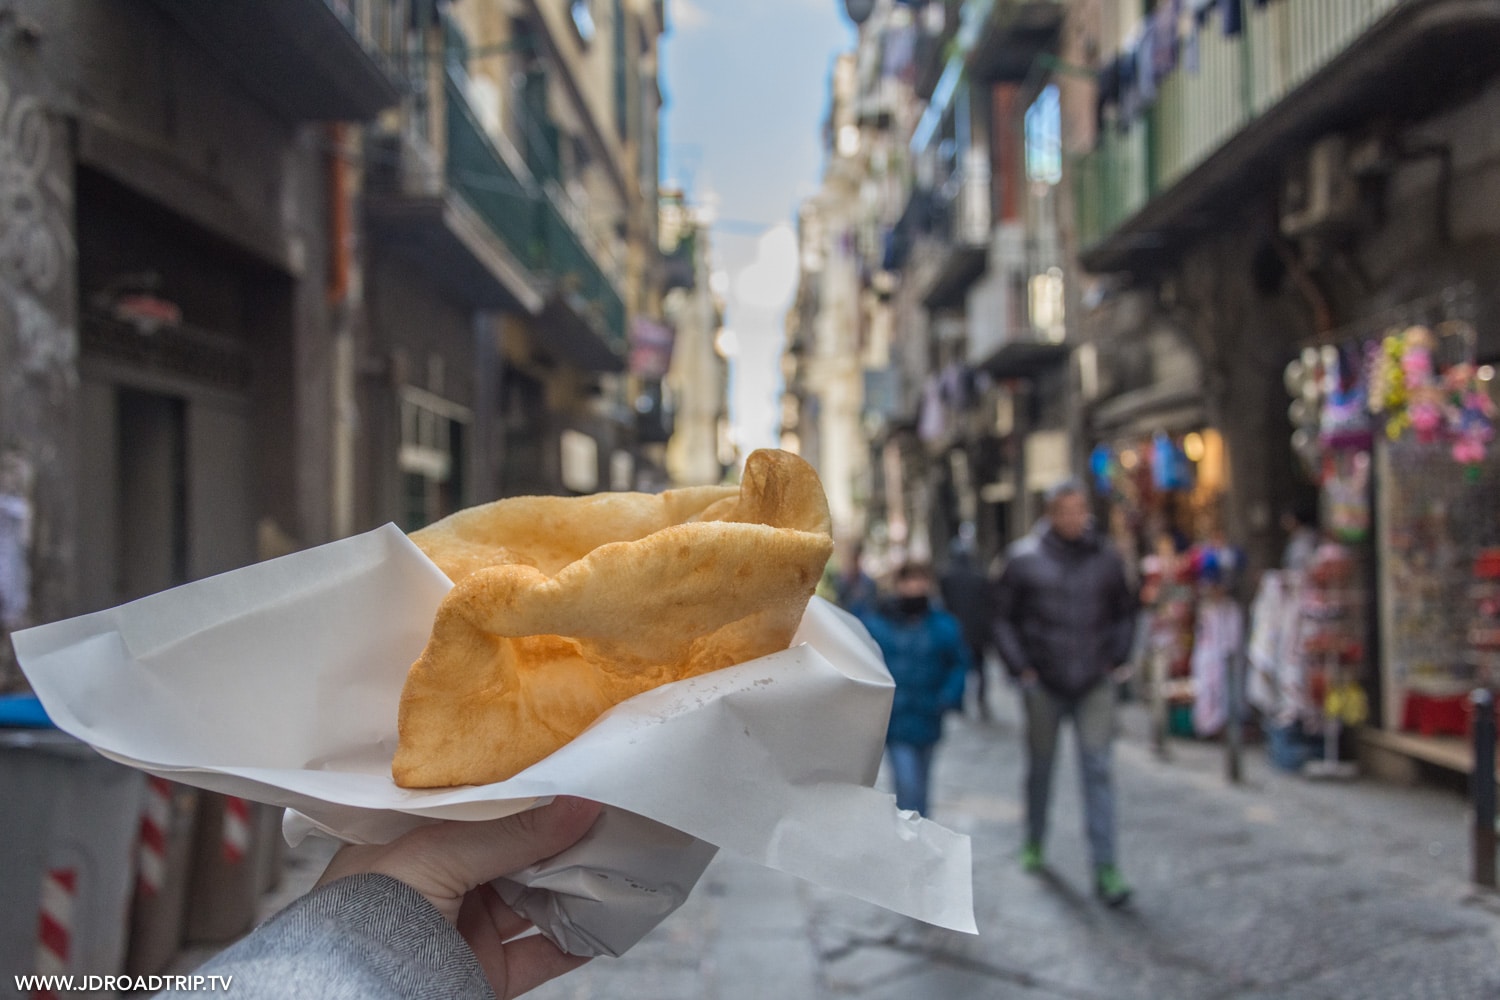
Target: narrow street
1279, 888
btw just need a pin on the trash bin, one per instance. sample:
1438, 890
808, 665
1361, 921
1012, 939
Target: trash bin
225, 885
164, 858
68, 827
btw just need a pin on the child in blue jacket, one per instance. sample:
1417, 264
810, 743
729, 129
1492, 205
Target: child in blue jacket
928, 659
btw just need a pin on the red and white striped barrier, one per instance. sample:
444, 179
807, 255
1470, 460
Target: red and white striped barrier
55, 925
236, 838
156, 820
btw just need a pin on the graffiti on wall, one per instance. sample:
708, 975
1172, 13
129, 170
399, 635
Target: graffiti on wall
34, 240
38, 348
15, 539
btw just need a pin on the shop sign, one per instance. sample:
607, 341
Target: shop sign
650, 348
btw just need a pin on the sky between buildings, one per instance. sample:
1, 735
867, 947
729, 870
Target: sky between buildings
746, 86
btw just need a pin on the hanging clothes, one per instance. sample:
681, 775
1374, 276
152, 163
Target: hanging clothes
1274, 682
1233, 14
1145, 67
1164, 54
932, 419
1108, 83
900, 52
1216, 641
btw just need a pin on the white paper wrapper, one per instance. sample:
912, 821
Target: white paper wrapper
279, 682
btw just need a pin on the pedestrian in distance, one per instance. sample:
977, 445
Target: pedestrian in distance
854, 589
965, 590
928, 659
1064, 625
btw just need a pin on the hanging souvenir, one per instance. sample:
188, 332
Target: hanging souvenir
1344, 421
1170, 465
1346, 485
1435, 404
1101, 463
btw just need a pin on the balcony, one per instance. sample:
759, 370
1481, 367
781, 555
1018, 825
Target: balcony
465, 216
962, 221
1301, 69
931, 54
308, 60
1010, 37
497, 237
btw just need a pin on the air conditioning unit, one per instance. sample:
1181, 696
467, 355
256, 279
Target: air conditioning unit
1321, 194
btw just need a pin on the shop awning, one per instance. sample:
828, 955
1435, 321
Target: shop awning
1166, 406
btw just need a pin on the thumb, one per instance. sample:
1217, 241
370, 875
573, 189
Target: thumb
445, 860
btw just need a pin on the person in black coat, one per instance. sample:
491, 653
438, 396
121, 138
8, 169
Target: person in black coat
966, 595
1064, 625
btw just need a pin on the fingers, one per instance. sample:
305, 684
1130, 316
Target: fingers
530, 962
445, 860
479, 852
513, 968
506, 922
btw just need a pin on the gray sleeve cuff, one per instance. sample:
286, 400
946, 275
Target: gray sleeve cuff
361, 937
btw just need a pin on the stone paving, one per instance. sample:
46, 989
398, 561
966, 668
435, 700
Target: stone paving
1279, 888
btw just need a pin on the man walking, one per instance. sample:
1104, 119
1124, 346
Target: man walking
1064, 621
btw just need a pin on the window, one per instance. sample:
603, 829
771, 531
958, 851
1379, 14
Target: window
432, 457
1044, 138
583, 19
1047, 306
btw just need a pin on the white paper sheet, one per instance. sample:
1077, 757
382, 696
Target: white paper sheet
279, 682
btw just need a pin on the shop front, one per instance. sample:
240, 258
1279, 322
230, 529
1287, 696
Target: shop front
1395, 424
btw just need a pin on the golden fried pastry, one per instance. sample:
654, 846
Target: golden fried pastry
565, 606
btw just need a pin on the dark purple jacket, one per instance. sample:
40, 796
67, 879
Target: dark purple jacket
1064, 610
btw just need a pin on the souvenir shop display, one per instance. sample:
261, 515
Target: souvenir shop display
1331, 641
1434, 515
1168, 589
1403, 420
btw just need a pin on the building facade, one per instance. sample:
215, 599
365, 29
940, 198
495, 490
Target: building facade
1278, 193
270, 278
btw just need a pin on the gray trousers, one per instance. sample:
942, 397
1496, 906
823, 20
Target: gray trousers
1094, 724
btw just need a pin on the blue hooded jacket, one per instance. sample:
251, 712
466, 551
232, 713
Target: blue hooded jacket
929, 661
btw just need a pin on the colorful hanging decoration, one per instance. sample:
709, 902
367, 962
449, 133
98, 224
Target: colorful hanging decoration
1436, 404
1170, 467
1103, 466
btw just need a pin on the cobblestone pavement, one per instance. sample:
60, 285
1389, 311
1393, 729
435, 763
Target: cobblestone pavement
1277, 888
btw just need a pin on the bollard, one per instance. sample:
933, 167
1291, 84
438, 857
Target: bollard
1483, 790
1234, 735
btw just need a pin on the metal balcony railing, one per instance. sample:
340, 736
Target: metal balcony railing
528, 216
1238, 80
477, 171
578, 272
